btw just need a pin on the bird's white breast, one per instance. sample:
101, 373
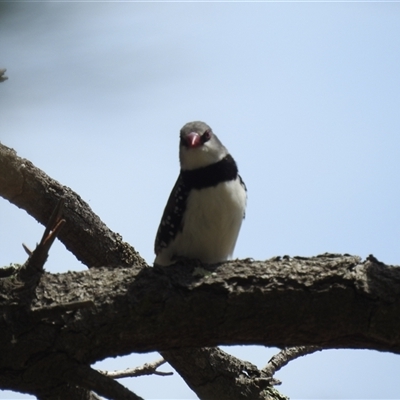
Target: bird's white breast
211, 224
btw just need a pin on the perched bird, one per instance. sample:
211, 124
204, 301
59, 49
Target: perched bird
206, 207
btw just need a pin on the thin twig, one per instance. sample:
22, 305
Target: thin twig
38, 257
54, 225
146, 369
91, 379
285, 356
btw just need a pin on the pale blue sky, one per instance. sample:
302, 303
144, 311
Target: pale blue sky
305, 95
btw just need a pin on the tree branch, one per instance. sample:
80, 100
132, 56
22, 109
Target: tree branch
32, 190
103, 385
146, 369
215, 375
285, 356
340, 303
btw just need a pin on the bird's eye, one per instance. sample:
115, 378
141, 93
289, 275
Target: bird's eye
206, 136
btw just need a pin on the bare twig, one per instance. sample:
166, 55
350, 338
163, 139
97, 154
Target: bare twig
27, 249
53, 226
146, 369
38, 257
285, 356
91, 379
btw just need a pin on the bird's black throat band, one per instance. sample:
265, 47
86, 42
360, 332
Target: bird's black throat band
222, 171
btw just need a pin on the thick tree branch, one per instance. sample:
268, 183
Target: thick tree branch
32, 190
339, 301
215, 375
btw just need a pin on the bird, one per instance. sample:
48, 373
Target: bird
207, 204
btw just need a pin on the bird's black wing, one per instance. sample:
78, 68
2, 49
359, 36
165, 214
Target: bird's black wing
245, 189
171, 221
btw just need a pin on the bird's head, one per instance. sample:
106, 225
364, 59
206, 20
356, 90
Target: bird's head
199, 146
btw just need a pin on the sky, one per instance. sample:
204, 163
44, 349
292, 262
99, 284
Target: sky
305, 95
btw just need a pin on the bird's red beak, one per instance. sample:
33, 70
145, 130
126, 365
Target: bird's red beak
193, 139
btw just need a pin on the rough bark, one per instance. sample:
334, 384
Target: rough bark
52, 328
330, 300
213, 374
29, 188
